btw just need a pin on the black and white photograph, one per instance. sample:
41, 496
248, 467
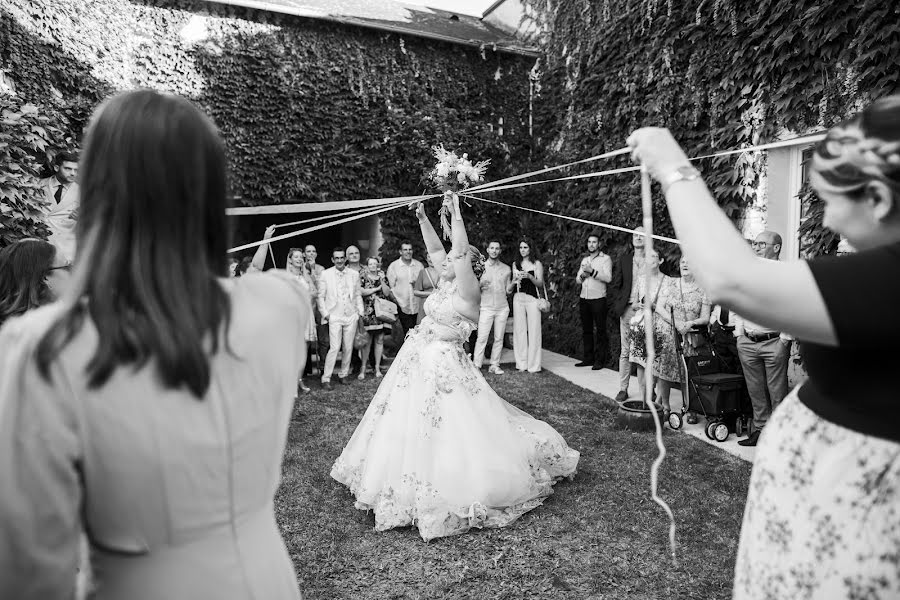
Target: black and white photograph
449, 299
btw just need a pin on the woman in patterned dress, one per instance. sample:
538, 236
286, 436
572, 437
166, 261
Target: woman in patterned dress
637, 352
822, 518
437, 448
298, 267
683, 300
374, 285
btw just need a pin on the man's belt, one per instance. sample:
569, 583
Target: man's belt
762, 337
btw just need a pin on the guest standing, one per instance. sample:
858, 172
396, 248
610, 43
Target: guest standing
353, 258
295, 266
401, 276
527, 279
593, 274
150, 405
682, 307
373, 284
340, 305
61, 202
763, 352
494, 308
637, 353
623, 288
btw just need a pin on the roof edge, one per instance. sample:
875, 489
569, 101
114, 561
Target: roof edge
358, 22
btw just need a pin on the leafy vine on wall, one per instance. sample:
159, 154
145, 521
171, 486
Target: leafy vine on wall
310, 110
720, 74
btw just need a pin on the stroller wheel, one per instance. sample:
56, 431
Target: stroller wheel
720, 431
675, 420
708, 429
739, 426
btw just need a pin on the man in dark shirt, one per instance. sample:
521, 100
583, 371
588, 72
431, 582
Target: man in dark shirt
623, 290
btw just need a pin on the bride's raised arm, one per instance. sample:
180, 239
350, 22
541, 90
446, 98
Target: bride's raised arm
433, 244
468, 286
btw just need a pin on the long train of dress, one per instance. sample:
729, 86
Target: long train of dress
437, 448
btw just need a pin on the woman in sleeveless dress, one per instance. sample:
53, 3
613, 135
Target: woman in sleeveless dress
437, 448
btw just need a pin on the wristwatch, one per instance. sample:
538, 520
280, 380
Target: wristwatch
683, 173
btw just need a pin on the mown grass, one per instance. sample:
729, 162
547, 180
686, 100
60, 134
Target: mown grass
598, 537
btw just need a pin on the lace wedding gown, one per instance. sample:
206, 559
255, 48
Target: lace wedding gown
438, 448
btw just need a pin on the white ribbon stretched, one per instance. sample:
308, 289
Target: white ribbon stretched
337, 205
318, 227
576, 219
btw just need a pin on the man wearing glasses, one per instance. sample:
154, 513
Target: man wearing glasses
763, 353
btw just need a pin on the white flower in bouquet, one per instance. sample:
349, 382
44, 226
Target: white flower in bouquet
452, 174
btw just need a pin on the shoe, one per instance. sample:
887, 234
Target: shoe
303, 387
752, 440
495, 370
326, 385
584, 363
596, 367
691, 419
622, 396
361, 376
343, 381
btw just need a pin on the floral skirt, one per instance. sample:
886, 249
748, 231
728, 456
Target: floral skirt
667, 365
438, 449
822, 518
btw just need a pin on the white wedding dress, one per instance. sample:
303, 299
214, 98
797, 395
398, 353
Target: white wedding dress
438, 448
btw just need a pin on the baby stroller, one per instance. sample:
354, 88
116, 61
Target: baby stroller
719, 396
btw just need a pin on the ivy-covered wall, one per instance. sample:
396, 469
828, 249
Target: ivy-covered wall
720, 73
310, 110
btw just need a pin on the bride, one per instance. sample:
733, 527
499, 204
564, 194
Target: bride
437, 448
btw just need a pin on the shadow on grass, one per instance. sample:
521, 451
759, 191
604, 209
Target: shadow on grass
598, 536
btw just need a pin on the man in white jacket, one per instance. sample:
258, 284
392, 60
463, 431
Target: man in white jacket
340, 304
60, 196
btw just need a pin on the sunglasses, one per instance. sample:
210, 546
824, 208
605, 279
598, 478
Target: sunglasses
759, 245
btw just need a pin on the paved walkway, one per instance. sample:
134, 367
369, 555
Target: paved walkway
606, 382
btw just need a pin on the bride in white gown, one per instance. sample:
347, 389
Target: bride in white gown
437, 447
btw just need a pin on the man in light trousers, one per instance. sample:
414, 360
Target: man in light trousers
340, 303
494, 308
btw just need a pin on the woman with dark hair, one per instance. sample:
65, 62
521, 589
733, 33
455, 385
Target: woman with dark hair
438, 449
150, 405
32, 273
527, 282
822, 518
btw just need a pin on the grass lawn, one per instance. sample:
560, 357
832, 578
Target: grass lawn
598, 536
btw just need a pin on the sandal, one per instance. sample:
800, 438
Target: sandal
361, 376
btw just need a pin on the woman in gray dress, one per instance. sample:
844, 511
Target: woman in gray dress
149, 406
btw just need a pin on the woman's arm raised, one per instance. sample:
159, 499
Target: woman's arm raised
783, 296
259, 257
432, 241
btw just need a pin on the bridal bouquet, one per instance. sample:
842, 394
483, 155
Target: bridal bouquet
450, 175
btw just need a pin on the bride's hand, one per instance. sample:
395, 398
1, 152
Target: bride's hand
655, 148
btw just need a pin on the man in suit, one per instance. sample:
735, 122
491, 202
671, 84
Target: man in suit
340, 304
60, 206
623, 294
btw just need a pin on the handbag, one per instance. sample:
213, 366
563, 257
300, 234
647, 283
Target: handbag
385, 310
362, 336
543, 304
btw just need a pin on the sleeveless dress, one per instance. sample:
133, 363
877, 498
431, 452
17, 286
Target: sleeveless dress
438, 449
